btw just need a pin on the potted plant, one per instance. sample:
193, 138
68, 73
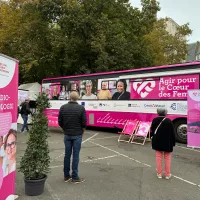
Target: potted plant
36, 160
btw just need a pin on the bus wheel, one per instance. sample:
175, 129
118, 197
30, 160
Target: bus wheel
180, 127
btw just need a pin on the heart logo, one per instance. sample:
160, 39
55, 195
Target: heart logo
195, 94
144, 87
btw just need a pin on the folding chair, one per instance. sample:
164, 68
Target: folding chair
142, 132
128, 130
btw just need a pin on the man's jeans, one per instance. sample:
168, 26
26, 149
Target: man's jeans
72, 144
25, 125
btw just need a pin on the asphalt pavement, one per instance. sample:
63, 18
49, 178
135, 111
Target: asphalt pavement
116, 171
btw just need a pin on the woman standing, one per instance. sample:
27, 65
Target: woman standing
163, 141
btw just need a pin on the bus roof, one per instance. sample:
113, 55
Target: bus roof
126, 71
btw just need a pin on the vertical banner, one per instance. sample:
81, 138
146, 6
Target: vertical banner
8, 125
193, 121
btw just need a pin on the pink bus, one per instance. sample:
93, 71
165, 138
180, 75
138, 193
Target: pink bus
112, 98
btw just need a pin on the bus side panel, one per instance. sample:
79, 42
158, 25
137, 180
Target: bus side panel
107, 119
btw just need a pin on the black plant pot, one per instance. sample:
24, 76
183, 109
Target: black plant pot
34, 187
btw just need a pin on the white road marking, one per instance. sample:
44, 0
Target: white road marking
103, 158
105, 138
191, 183
186, 181
57, 166
90, 138
82, 143
191, 149
52, 192
120, 154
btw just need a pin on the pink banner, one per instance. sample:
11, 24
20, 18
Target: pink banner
170, 87
8, 125
193, 121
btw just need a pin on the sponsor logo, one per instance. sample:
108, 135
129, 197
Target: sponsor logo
119, 105
83, 104
154, 106
196, 94
93, 105
144, 87
133, 105
179, 107
173, 106
103, 105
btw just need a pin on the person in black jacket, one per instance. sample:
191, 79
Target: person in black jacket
25, 111
121, 93
163, 141
72, 119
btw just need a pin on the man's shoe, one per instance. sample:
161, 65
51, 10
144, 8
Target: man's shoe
67, 179
76, 181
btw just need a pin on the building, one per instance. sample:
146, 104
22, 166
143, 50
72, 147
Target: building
193, 52
171, 26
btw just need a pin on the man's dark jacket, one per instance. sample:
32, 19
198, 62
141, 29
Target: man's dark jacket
72, 118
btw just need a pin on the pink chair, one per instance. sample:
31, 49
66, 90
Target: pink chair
128, 130
142, 132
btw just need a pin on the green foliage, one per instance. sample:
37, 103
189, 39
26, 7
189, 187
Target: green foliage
35, 162
168, 48
66, 37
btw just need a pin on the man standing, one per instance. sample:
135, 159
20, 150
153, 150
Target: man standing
25, 111
72, 119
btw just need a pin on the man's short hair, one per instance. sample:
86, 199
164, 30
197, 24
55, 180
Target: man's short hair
74, 96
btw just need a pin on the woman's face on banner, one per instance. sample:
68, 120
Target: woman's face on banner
63, 88
104, 86
74, 86
11, 147
88, 88
120, 87
55, 90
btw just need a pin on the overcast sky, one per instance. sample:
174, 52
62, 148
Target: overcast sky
181, 11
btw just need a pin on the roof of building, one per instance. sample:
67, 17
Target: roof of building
192, 50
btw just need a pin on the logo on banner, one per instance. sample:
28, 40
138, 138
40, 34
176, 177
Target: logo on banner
103, 105
133, 105
144, 87
179, 107
154, 106
173, 106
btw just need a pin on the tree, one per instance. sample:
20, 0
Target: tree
168, 48
65, 37
35, 162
